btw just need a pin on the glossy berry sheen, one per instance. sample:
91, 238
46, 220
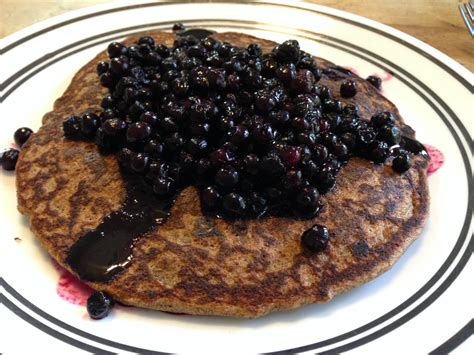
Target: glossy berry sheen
315, 238
164, 186
348, 88
307, 200
178, 27
402, 163
234, 204
288, 51
102, 67
9, 159
114, 126
211, 197
290, 155
21, 135
227, 177
89, 123
390, 134
116, 49
382, 119
99, 305
138, 131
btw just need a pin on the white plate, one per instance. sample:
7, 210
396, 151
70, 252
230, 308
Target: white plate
422, 303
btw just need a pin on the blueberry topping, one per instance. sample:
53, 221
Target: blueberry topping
402, 163
254, 132
315, 238
348, 88
234, 204
375, 81
178, 27
9, 159
21, 135
99, 305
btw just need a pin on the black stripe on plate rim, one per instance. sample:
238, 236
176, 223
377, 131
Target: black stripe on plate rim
457, 339
54, 333
413, 47
352, 333
159, 25
15, 294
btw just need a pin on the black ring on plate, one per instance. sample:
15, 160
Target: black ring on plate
435, 60
387, 328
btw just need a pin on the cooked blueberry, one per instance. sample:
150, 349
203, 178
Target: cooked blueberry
119, 65
315, 238
107, 80
271, 164
197, 145
22, 135
178, 27
140, 162
174, 141
390, 134
102, 67
221, 156
124, 157
227, 177
211, 197
348, 88
199, 129
290, 155
340, 150
114, 126
99, 305
325, 179
9, 159
238, 134
288, 51
234, 203
286, 73
402, 163
116, 49
303, 83
138, 131
307, 200
382, 119
264, 101
375, 81
320, 153
154, 148
292, 179
164, 186
350, 140
332, 105
89, 123
149, 41
378, 151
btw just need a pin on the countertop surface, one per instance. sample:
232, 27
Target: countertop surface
436, 22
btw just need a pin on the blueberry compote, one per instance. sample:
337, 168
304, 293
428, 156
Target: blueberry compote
254, 132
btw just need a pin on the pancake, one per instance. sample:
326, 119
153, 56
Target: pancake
198, 264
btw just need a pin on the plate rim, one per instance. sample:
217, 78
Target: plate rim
464, 147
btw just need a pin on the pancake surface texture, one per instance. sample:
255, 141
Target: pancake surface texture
202, 265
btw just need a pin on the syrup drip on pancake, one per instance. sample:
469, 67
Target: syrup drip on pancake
102, 253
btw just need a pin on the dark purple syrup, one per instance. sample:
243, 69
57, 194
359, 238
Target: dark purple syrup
102, 253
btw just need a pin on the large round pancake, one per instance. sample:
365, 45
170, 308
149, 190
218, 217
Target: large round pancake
201, 265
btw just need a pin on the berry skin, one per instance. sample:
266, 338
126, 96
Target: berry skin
9, 159
348, 88
315, 238
22, 135
99, 305
375, 81
402, 163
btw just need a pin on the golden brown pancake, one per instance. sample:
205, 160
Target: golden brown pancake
198, 264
